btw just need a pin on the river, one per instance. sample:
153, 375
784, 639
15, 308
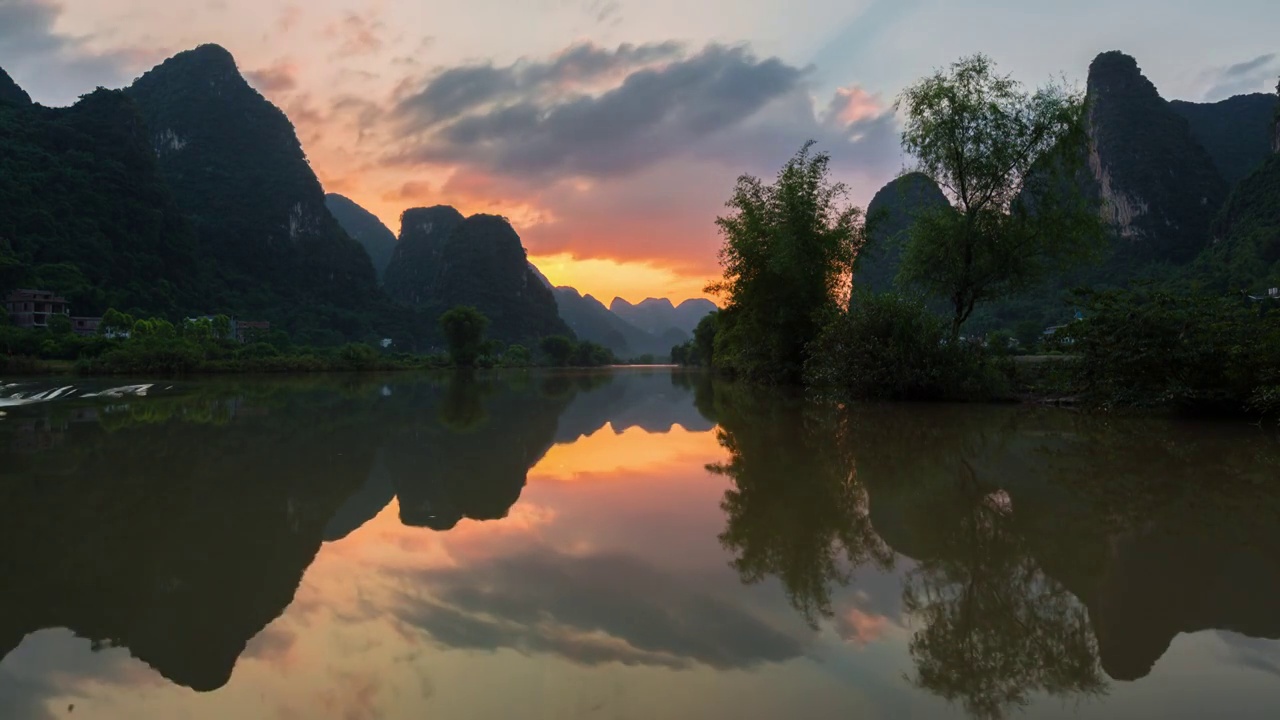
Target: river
623, 544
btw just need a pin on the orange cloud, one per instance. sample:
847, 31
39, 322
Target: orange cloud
861, 628
853, 104
277, 79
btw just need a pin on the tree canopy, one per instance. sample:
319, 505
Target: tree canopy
464, 328
788, 255
994, 149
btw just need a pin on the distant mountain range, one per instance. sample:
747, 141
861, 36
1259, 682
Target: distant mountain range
651, 327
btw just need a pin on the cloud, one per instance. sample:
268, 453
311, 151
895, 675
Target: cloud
289, 18
273, 645
413, 192
451, 92
281, 77
623, 153
52, 66
56, 664
357, 34
654, 113
591, 610
1259, 654
1256, 75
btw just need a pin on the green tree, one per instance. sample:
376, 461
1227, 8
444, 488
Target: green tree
683, 353
704, 340
357, 356
464, 328
558, 348
999, 153
589, 354
116, 323
788, 256
59, 324
221, 327
517, 356
197, 328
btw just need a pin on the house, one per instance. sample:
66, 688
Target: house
85, 325
250, 330
32, 308
1273, 294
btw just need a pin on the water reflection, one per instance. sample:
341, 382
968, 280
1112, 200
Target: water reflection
382, 547
1049, 553
178, 526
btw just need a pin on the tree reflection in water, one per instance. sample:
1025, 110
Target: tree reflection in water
992, 629
797, 511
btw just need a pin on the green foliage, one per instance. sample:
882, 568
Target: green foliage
787, 256
891, 347
589, 354
464, 329
564, 352
699, 351
357, 356
1247, 254
1237, 132
1149, 348
115, 322
60, 324
517, 356
558, 349
979, 135
236, 167
85, 213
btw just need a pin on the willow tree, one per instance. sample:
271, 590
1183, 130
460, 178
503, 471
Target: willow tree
788, 257
1006, 158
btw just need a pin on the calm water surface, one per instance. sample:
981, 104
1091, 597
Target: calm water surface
626, 544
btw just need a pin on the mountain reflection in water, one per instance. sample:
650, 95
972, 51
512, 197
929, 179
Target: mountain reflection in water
629, 543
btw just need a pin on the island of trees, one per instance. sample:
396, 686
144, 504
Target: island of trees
1018, 208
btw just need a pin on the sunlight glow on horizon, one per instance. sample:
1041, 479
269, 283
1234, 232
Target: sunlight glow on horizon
606, 278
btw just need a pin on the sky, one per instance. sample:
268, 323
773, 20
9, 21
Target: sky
610, 132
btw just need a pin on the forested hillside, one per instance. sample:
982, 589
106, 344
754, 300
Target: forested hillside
443, 260
84, 211
236, 167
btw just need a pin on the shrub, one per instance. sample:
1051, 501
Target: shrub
891, 347
1150, 348
357, 356
558, 349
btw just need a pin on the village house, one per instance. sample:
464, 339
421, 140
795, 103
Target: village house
31, 309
